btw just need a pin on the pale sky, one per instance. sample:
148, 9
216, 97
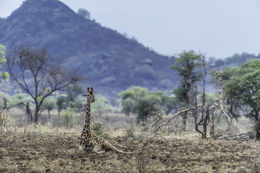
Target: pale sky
218, 28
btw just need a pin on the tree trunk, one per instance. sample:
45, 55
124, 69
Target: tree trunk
36, 114
257, 125
212, 125
2, 121
258, 135
184, 121
29, 113
49, 115
204, 136
59, 110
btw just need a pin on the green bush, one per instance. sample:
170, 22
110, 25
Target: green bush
42, 129
98, 129
18, 100
61, 103
143, 103
147, 107
5, 100
130, 97
50, 104
128, 106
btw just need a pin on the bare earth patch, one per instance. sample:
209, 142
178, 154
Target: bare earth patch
58, 153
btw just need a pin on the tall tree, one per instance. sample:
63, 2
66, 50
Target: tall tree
34, 72
244, 85
187, 66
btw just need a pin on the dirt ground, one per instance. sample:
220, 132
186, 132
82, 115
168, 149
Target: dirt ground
34, 152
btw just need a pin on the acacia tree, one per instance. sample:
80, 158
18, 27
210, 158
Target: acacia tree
244, 85
187, 66
33, 71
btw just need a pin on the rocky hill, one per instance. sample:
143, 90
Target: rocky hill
108, 59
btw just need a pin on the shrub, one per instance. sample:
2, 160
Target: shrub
147, 107
98, 129
130, 98
139, 101
49, 104
128, 106
18, 100
42, 129
61, 103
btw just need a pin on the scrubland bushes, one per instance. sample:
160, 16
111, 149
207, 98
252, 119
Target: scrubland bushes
68, 108
60, 109
140, 101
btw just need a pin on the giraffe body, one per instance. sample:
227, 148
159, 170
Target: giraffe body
89, 140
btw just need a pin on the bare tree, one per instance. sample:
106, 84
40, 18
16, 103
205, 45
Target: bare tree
205, 112
202, 114
33, 71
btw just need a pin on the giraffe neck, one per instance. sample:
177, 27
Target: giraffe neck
87, 120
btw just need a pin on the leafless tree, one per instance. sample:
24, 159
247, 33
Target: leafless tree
204, 118
34, 72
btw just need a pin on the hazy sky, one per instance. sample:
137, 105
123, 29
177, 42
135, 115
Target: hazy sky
217, 28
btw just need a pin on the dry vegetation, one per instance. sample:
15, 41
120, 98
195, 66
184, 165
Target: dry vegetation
39, 152
45, 148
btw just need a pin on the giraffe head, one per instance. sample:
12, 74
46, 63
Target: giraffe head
90, 95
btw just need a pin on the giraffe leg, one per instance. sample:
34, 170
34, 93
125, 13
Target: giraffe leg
98, 150
108, 145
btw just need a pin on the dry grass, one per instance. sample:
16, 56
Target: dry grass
53, 148
51, 151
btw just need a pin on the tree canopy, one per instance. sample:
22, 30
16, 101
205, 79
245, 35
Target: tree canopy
243, 84
143, 103
34, 72
186, 65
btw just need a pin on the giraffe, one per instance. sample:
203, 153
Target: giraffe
89, 141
